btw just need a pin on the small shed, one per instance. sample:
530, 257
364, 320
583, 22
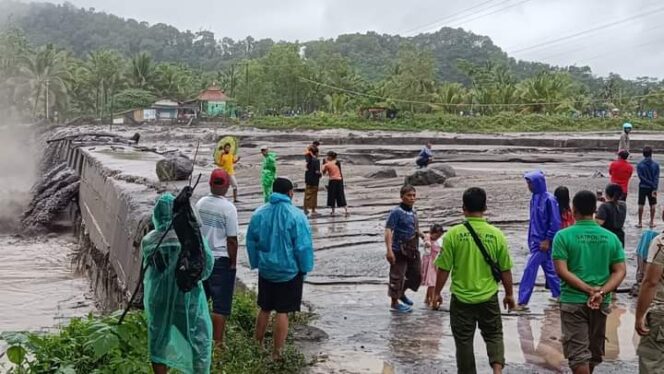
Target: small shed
165, 109
213, 102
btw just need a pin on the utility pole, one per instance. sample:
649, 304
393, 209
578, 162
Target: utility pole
46, 108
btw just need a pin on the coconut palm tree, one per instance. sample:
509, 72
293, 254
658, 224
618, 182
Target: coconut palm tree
44, 74
141, 72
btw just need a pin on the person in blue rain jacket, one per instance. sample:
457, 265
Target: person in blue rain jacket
544, 224
279, 245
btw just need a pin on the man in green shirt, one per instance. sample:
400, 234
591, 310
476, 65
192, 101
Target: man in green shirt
590, 261
474, 289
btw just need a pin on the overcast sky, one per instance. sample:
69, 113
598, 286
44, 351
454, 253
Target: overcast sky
632, 46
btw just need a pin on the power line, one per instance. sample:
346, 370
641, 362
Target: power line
356, 93
492, 13
451, 16
587, 31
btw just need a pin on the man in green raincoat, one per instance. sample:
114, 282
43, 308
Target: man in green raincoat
268, 172
179, 325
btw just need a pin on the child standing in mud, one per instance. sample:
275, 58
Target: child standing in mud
336, 197
432, 242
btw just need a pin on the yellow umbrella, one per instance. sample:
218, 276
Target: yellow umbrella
219, 148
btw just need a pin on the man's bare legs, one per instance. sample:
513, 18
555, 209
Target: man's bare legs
653, 209
262, 320
280, 334
218, 328
640, 216
280, 331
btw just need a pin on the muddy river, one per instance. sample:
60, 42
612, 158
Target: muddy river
348, 287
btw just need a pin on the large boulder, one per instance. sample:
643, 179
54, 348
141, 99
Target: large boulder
425, 177
174, 167
444, 169
383, 173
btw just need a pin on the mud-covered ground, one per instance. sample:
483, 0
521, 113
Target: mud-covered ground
347, 289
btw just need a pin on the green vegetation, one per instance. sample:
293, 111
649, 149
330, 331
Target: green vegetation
99, 345
501, 122
59, 58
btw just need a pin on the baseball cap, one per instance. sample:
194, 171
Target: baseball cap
219, 178
264, 148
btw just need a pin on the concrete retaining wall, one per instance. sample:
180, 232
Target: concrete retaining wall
114, 216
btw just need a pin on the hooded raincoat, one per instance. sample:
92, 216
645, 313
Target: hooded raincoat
279, 240
179, 325
268, 174
544, 224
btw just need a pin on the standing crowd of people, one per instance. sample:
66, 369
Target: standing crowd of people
578, 245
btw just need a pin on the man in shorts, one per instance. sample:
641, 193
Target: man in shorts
590, 262
279, 245
219, 226
401, 240
650, 311
648, 171
227, 162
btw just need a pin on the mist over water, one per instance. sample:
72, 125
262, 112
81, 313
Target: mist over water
18, 172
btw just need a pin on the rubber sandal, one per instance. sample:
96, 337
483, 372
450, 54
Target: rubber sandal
406, 300
401, 308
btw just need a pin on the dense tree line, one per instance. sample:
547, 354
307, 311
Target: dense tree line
69, 61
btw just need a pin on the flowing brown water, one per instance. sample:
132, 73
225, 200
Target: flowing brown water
38, 286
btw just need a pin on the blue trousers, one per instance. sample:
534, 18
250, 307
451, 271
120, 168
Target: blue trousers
527, 284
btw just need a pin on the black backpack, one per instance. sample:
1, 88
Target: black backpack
191, 261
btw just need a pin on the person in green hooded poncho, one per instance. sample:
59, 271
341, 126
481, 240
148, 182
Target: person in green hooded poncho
179, 324
268, 172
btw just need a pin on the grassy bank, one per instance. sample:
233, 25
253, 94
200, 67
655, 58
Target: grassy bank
504, 122
98, 345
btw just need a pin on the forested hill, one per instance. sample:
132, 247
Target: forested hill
83, 31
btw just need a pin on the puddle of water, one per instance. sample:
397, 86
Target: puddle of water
38, 288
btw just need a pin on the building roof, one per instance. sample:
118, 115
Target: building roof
213, 93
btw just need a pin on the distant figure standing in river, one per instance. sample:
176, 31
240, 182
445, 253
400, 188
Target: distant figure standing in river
312, 180
336, 195
591, 264
477, 256
612, 213
402, 236
566, 216
648, 171
543, 226
268, 172
227, 162
624, 137
432, 245
621, 172
425, 157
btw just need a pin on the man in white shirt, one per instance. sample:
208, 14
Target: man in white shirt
219, 226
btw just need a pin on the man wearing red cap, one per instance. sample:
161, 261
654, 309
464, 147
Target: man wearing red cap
219, 226
621, 172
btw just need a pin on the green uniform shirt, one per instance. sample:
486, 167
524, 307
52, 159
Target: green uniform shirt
589, 251
472, 281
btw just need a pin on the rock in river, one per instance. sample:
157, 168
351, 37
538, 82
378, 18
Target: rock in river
174, 167
425, 177
444, 169
382, 174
